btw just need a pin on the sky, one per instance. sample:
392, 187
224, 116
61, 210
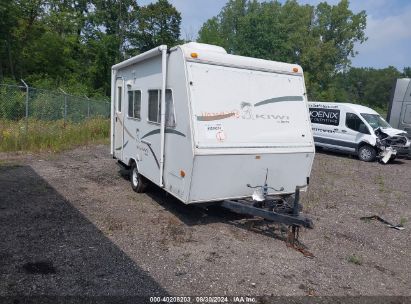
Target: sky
388, 27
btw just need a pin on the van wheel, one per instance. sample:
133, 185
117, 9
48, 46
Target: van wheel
138, 182
367, 153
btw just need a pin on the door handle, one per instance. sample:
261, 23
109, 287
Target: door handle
116, 118
344, 131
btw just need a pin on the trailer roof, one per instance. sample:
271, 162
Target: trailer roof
205, 53
141, 57
216, 55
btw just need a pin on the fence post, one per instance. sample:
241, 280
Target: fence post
65, 107
27, 105
88, 106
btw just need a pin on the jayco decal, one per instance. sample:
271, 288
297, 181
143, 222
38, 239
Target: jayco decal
247, 111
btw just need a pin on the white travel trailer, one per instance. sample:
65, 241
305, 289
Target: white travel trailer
207, 126
399, 109
355, 129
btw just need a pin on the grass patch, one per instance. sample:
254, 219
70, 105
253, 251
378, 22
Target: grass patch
379, 180
403, 221
354, 259
51, 135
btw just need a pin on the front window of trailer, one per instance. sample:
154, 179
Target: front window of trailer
375, 121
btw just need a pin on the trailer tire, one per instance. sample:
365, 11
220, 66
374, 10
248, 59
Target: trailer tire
367, 153
138, 182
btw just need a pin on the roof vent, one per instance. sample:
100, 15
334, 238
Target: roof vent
205, 47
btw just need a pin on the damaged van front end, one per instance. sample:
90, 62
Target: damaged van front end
390, 143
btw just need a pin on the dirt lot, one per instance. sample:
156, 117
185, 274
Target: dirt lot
70, 224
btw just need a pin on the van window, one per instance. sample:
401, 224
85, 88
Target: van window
154, 107
375, 121
353, 122
134, 104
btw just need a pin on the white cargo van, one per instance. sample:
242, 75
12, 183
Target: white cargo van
355, 129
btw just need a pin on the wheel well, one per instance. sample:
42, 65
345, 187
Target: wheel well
131, 162
362, 144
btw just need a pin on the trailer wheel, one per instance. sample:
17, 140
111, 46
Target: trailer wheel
138, 182
367, 153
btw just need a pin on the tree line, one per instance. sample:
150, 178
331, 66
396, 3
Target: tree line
320, 38
73, 43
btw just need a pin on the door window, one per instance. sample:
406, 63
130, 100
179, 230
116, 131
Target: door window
353, 122
119, 90
134, 104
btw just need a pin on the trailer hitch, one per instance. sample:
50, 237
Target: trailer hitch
266, 210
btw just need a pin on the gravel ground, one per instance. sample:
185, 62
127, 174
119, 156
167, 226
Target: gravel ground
70, 224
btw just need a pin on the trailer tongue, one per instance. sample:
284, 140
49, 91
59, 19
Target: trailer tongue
277, 210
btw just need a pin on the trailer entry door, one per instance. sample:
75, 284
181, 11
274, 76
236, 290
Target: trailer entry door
119, 119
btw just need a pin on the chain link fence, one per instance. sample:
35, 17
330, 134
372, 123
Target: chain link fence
23, 109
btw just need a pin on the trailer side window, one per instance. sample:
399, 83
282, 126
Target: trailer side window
134, 104
353, 122
170, 118
154, 107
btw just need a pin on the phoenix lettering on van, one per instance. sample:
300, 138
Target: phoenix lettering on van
325, 116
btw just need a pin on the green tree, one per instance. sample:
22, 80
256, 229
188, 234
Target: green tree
8, 20
157, 23
367, 86
407, 72
320, 38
